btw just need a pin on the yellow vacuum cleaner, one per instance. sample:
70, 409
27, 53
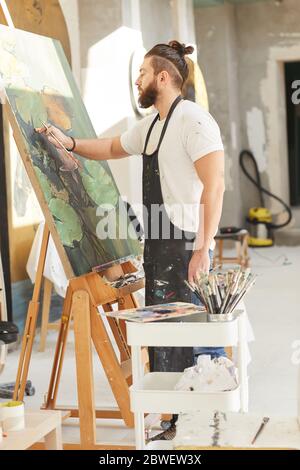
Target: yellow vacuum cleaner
260, 220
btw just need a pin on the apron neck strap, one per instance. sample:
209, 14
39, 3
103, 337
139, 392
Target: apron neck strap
149, 132
173, 106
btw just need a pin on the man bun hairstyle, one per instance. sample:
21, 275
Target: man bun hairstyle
171, 57
182, 49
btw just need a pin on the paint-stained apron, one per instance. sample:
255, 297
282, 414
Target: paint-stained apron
166, 261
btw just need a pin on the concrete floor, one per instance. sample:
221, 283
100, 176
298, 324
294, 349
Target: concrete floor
273, 309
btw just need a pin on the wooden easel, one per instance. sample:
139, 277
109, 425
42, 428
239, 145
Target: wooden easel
84, 295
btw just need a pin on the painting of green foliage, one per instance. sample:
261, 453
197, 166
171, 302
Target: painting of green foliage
39, 88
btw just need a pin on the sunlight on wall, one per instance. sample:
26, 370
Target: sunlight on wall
106, 91
106, 83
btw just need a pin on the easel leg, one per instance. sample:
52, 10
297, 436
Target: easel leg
119, 327
124, 303
30, 326
245, 251
45, 313
111, 365
59, 351
239, 253
118, 334
84, 368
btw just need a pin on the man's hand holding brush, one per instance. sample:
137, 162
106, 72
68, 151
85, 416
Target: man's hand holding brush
55, 136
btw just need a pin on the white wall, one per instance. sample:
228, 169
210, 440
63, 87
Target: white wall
108, 38
71, 14
241, 50
216, 44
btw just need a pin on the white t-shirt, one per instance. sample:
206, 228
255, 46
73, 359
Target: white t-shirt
191, 133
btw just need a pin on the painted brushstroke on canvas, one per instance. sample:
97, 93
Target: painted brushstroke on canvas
40, 88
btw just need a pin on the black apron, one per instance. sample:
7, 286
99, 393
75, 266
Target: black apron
166, 258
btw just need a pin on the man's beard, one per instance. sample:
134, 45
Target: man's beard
148, 97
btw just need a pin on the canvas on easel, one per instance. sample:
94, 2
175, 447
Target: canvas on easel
85, 216
78, 196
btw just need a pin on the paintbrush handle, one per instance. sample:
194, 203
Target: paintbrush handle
195, 292
242, 294
225, 301
210, 306
233, 302
215, 303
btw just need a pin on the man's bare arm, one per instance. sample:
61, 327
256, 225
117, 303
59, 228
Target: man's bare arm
100, 149
94, 149
210, 170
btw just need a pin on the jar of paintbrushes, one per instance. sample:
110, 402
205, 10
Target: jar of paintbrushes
221, 292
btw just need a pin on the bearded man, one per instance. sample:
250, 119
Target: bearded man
183, 185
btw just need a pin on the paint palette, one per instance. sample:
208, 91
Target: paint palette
156, 312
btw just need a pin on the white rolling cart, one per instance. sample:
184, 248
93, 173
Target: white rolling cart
154, 392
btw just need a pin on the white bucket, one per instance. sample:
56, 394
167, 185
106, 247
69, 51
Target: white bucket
12, 416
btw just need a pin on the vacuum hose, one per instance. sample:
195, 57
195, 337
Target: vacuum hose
246, 153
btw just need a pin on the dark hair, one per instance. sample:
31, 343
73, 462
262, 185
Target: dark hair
165, 56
